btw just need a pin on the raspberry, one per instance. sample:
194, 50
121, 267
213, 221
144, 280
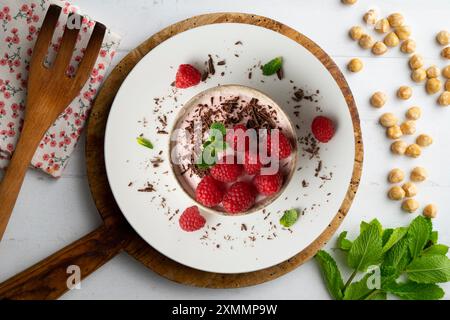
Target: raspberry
226, 172
252, 165
284, 146
191, 220
239, 198
323, 129
209, 192
187, 76
268, 185
236, 135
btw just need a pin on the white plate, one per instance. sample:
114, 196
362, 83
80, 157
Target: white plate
227, 244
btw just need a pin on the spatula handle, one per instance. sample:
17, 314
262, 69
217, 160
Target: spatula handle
49, 278
12, 181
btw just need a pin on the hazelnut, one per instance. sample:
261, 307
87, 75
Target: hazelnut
446, 72
410, 189
396, 176
378, 99
349, 2
444, 98
391, 39
396, 20
388, 120
396, 193
356, 32
403, 32
399, 147
410, 205
424, 140
443, 38
447, 85
408, 127
416, 62
413, 113
379, 48
430, 211
394, 132
413, 151
355, 65
433, 85
370, 17
445, 53
433, 72
366, 41
418, 75
418, 174
382, 26
408, 46
404, 92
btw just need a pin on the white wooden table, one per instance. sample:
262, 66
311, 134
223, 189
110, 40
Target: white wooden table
51, 214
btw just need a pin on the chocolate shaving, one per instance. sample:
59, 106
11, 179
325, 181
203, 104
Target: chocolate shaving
148, 188
211, 68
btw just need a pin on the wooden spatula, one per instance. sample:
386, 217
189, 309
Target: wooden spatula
50, 91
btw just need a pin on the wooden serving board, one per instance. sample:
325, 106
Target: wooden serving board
47, 279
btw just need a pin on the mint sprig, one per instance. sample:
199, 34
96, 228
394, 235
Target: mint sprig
212, 146
289, 218
406, 262
144, 142
273, 66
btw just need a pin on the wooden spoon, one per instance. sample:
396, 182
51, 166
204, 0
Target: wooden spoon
50, 91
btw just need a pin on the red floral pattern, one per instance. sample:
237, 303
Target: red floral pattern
20, 21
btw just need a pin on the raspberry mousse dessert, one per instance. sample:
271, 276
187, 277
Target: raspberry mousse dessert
233, 150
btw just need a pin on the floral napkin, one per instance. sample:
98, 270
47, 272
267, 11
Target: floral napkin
20, 21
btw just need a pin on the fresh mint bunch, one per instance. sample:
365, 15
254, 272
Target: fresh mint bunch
406, 262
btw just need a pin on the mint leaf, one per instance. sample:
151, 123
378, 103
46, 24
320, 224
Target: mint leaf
395, 236
331, 274
419, 233
386, 235
144, 142
429, 269
219, 127
364, 225
358, 290
434, 238
437, 249
398, 256
289, 218
415, 291
366, 249
272, 66
343, 243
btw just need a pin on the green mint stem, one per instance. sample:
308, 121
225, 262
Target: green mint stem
372, 294
349, 281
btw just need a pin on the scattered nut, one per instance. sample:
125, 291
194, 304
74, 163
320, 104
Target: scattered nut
408, 127
396, 193
399, 147
416, 62
349, 2
391, 39
418, 174
396, 20
410, 189
408, 46
447, 85
413, 113
396, 176
443, 38
382, 26
394, 132
430, 211
356, 32
444, 98
379, 48
433, 72
370, 17
378, 99
445, 53
366, 41
424, 140
388, 120
433, 85
403, 32
446, 72
355, 65
419, 75
410, 205
413, 151
404, 92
